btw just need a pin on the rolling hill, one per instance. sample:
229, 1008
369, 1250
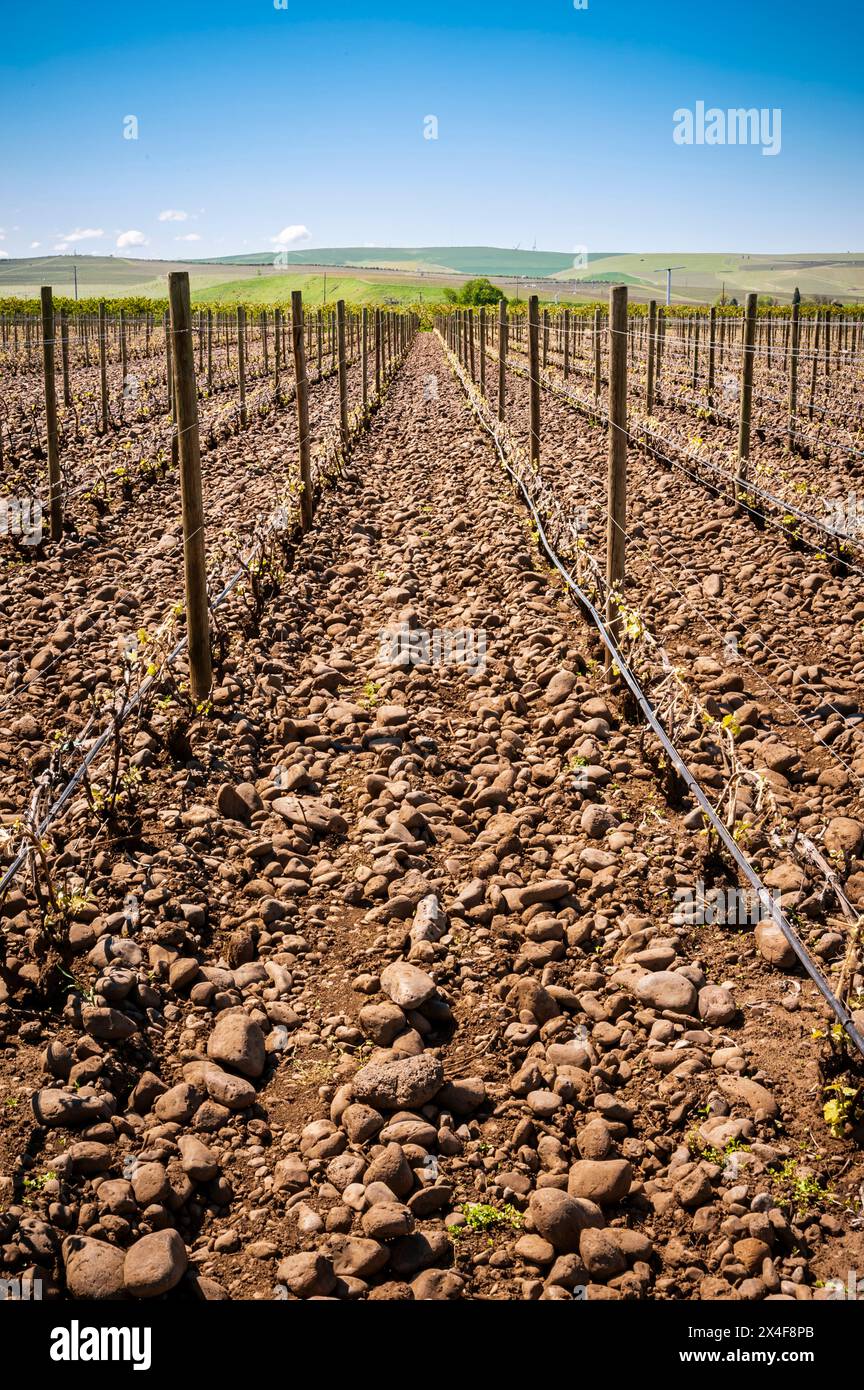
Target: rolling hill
405, 274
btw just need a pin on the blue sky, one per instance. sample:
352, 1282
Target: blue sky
554, 125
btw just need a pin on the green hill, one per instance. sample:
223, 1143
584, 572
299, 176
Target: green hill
460, 260
353, 289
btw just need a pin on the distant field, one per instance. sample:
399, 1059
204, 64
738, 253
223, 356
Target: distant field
106, 275
402, 275
313, 287
703, 277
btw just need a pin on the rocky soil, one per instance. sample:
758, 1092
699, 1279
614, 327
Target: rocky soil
383, 992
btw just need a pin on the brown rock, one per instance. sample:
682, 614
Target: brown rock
155, 1264
237, 1041
307, 1275
604, 1182
773, 946
93, 1268
560, 1219
401, 1085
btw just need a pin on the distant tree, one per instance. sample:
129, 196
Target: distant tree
480, 291
450, 295
796, 298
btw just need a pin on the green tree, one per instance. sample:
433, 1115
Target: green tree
480, 291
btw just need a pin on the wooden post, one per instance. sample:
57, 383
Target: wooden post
469, 317
746, 388
566, 331
241, 361
534, 377
64, 353
277, 346
598, 376
55, 493
545, 337
503, 330
306, 508
482, 351
712, 335
793, 372
194, 557
616, 523
694, 380
264, 351
209, 351
103, 365
377, 352
364, 359
814, 368
124, 351
343, 373
652, 345
168, 370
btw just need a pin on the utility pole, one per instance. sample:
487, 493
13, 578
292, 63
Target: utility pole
75, 274
668, 271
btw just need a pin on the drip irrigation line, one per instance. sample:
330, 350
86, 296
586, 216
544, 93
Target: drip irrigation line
839, 1009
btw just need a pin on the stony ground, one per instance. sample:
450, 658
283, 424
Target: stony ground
383, 992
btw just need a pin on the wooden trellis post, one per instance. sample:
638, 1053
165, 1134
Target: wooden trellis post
503, 330
652, 348
795, 330
241, 361
598, 377
746, 404
534, 377
364, 358
189, 451
343, 373
482, 327
64, 353
55, 485
306, 502
616, 524
103, 365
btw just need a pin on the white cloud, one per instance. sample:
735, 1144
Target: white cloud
4, 255
290, 236
83, 234
68, 239
190, 236
131, 238
173, 215
34, 244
